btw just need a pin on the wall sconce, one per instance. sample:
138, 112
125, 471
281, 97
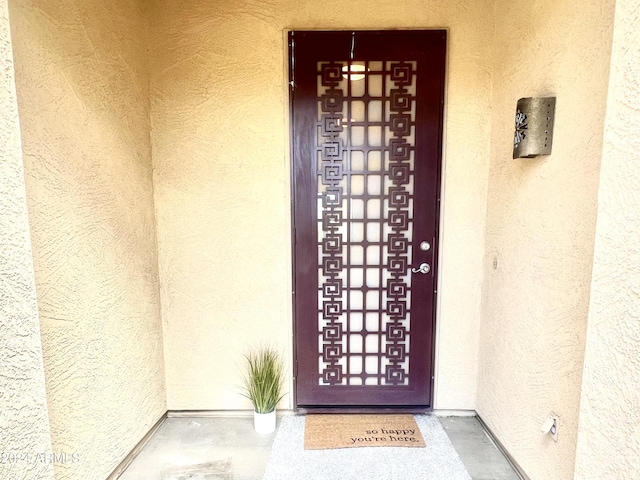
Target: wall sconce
534, 127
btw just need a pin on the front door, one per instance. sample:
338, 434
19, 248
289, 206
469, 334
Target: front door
366, 112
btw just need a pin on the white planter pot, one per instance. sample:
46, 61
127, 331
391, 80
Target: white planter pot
264, 423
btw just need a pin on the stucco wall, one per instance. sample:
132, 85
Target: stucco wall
83, 100
608, 436
540, 227
24, 421
220, 152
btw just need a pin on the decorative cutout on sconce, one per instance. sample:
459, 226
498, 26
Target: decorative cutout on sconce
533, 134
521, 126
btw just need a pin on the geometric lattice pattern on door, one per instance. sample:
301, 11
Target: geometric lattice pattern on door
366, 157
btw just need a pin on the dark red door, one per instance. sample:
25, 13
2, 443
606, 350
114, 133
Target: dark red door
366, 110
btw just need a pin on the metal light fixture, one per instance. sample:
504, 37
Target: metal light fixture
534, 127
355, 72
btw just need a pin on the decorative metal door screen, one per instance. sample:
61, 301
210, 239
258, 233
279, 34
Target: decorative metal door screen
367, 157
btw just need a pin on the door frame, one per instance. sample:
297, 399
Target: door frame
440, 184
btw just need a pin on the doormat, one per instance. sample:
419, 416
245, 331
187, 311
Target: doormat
347, 431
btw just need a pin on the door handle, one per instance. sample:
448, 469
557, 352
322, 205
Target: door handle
424, 268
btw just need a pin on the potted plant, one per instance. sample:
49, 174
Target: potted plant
263, 384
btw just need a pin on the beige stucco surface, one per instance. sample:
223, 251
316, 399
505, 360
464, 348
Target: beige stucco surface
24, 420
207, 95
541, 218
608, 437
82, 86
221, 168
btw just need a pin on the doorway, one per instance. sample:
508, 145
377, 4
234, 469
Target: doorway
366, 121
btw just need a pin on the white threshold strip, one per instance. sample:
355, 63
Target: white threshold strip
220, 413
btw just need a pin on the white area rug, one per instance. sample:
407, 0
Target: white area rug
438, 461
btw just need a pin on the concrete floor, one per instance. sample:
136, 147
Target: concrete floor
477, 451
189, 441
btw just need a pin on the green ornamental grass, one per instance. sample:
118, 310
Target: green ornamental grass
263, 379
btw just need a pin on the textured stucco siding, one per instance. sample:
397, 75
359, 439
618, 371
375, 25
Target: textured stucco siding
220, 150
541, 218
82, 87
609, 435
24, 421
